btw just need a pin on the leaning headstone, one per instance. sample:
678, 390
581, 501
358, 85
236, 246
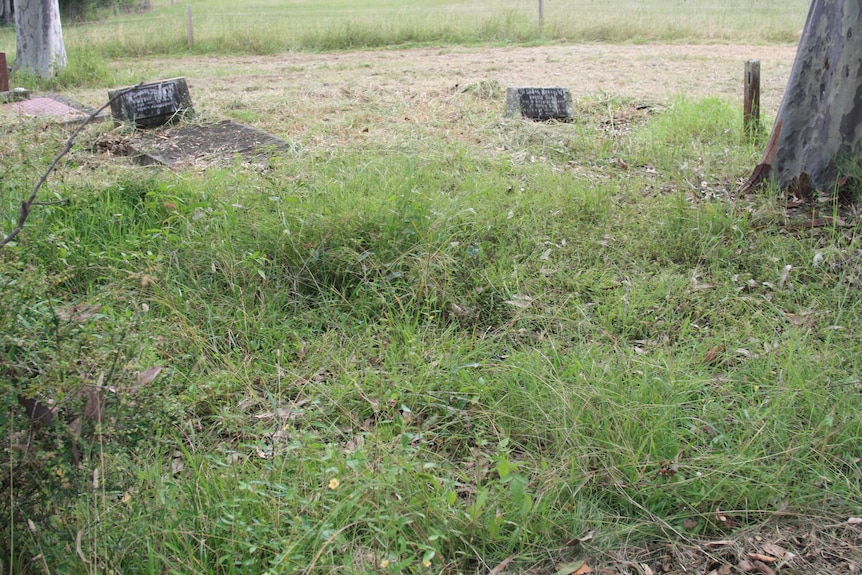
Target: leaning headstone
539, 103
152, 105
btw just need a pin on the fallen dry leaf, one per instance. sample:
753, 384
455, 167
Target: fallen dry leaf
94, 408
714, 354
761, 557
574, 541
78, 538
148, 375
574, 568
521, 301
79, 312
498, 570
821, 222
775, 550
690, 524
177, 465
725, 520
763, 568
784, 274
354, 443
75, 427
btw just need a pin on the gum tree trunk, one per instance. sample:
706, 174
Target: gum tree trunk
5, 11
39, 36
819, 123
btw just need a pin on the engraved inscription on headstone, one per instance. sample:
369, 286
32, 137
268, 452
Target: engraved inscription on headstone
152, 105
539, 103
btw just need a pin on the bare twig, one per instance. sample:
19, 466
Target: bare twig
26, 205
54, 203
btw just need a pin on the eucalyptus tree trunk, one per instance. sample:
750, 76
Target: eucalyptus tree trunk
819, 123
39, 35
5, 11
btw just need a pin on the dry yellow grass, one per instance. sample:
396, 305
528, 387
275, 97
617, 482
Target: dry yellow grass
392, 98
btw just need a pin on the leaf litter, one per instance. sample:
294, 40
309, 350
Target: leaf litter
789, 545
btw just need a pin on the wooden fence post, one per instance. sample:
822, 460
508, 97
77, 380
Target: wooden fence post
190, 32
4, 73
541, 15
751, 97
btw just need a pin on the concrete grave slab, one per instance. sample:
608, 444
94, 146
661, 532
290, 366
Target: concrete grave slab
205, 144
52, 107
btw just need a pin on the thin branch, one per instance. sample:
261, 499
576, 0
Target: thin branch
26, 205
53, 203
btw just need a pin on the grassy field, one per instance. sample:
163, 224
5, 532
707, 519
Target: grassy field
268, 27
441, 344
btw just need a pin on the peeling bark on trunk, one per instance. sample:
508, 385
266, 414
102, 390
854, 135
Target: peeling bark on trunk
39, 36
819, 123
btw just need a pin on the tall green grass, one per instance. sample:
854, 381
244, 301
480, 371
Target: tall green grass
428, 359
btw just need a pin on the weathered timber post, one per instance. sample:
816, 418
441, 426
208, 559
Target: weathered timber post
751, 97
541, 15
4, 73
190, 29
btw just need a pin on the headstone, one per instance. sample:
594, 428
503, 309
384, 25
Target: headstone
4, 73
539, 103
152, 105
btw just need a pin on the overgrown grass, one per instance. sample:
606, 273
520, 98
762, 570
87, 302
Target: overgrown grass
426, 359
269, 27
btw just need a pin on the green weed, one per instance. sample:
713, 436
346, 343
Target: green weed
428, 357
